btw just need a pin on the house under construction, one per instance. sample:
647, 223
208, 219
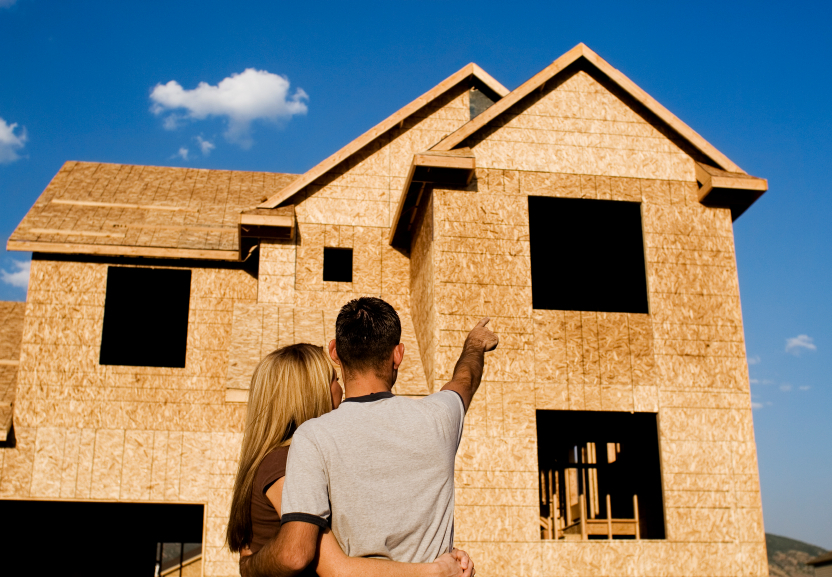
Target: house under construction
612, 434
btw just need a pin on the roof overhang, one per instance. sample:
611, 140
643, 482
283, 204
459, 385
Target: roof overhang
723, 189
452, 168
265, 223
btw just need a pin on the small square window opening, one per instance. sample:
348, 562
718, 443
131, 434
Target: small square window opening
337, 264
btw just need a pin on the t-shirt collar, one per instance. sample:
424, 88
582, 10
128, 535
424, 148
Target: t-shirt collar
369, 398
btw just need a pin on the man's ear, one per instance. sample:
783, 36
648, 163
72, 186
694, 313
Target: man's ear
333, 354
398, 355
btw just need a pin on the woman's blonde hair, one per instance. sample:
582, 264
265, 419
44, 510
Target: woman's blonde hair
289, 386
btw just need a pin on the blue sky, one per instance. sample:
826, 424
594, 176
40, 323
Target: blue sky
76, 78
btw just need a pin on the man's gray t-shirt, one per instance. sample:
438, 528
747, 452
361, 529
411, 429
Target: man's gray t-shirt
380, 469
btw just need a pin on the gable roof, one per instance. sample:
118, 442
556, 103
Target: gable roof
385, 125
124, 210
581, 51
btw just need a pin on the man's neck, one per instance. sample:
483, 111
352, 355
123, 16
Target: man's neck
365, 384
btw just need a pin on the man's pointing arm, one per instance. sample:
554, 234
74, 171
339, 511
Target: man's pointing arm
469, 367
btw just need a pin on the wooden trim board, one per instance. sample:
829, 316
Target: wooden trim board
281, 221
236, 395
461, 159
121, 205
114, 250
320, 169
582, 51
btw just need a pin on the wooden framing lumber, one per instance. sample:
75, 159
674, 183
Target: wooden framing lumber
275, 224
430, 167
724, 189
236, 395
116, 250
539, 80
121, 205
385, 125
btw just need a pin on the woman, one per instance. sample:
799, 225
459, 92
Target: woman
290, 386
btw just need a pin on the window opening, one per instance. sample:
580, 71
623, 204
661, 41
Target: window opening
599, 475
146, 317
178, 559
103, 539
337, 264
587, 255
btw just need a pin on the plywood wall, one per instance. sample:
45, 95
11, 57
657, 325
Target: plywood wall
89, 432
684, 360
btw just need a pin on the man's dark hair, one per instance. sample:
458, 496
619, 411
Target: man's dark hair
366, 332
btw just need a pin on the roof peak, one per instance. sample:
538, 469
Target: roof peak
578, 52
470, 69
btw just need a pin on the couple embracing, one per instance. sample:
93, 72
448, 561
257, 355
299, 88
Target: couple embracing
365, 490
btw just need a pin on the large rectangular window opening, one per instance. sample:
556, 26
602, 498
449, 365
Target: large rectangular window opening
599, 475
91, 539
146, 317
587, 255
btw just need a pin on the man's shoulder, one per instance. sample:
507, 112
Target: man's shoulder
446, 398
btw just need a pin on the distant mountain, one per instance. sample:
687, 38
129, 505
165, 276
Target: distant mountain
787, 557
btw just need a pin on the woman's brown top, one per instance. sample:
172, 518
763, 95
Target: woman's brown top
265, 521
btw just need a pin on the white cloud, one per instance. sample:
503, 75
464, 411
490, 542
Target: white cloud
20, 278
804, 388
756, 405
10, 142
755, 360
206, 146
795, 344
785, 387
181, 153
242, 98
173, 121
7, 3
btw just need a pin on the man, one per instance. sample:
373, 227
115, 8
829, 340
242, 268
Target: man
379, 470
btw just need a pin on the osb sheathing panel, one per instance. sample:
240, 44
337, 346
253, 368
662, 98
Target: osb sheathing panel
579, 127
259, 329
89, 432
146, 206
365, 189
11, 329
11, 332
422, 287
128, 465
685, 360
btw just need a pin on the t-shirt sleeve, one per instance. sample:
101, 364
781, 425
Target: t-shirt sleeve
449, 410
305, 490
